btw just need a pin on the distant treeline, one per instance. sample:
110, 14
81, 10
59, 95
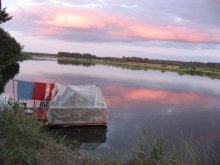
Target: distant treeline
77, 55
140, 60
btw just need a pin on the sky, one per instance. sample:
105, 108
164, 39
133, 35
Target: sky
157, 29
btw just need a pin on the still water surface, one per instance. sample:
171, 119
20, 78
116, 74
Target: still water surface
168, 103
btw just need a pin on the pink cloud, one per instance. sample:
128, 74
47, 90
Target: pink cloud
51, 20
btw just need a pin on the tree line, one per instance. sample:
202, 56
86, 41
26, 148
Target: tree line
141, 60
10, 52
10, 49
77, 55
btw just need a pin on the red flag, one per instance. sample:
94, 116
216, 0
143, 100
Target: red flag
52, 85
39, 91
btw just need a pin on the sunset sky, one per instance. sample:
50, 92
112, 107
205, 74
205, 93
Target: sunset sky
186, 30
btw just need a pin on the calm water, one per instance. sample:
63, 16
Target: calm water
166, 102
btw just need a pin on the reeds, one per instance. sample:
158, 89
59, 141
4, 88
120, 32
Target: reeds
159, 150
24, 141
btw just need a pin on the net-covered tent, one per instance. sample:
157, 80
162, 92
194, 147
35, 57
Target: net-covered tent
77, 105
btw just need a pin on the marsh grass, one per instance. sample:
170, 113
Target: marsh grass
154, 150
24, 141
19, 136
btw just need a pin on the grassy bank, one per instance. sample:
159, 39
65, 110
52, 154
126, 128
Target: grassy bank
183, 70
24, 141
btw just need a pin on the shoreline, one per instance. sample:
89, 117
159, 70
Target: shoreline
213, 73
178, 67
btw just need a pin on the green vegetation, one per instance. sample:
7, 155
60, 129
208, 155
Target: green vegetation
7, 74
153, 150
26, 56
24, 141
158, 151
4, 16
10, 50
155, 155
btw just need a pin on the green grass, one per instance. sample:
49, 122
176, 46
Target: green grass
158, 150
24, 141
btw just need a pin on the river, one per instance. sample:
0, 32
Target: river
168, 104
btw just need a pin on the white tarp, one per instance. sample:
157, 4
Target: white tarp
76, 105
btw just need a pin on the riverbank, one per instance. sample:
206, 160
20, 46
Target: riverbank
211, 70
23, 140
182, 70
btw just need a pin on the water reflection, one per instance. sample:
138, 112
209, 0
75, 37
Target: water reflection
87, 63
125, 96
7, 74
87, 134
193, 115
89, 137
77, 63
51, 71
166, 102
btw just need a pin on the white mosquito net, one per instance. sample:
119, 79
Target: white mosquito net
72, 104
